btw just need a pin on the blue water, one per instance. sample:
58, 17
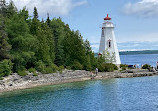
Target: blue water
128, 94
139, 59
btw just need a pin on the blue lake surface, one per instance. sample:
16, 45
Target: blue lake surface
139, 59
124, 94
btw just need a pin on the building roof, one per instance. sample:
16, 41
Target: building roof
107, 17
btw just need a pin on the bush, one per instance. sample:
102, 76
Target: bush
107, 67
61, 68
123, 66
35, 74
22, 73
32, 70
146, 66
88, 67
68, 67
48, 70
76, 66
40, 66
5, 68
1, 78
54, 68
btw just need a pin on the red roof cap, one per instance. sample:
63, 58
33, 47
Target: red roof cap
99, 54
107, 18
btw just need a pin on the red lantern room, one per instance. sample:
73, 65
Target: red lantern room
107, 18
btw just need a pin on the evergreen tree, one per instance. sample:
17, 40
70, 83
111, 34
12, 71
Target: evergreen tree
40, 44
4, 46
23, 43
3, 7
35, 13
48, 20
45, 45
11, 9
57, 27
24, 13
35, 22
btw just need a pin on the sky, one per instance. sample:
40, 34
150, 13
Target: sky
136, 21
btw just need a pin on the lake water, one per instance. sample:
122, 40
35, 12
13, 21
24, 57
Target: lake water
125, 94
139, 59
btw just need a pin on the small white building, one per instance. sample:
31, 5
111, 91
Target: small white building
108, 41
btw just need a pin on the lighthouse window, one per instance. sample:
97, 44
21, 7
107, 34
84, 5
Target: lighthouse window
102, 32
109, 43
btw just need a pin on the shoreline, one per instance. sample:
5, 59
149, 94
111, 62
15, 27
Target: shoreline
16, 82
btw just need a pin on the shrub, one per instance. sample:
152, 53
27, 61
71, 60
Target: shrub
146, 66
76, 66
54, 67
5, 68
48, 70
123, 66
88, 67
1, 78
22, 72
35, 74
115, 67
61, 68
107, 67
40, 66
32, 70
68, 67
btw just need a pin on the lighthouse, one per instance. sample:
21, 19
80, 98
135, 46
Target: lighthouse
108, 41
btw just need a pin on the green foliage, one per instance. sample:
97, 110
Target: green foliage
40, 66
48, 46
77, 66
1, 78
48, 70
61, 68
35, 13
4, 46
68, 67
54, 67
107, 57
107, 67
123, 66
35, 74
22, 72
5, 68
146, 66
32, 70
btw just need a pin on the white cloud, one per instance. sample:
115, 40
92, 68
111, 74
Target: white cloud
54, 7
144, 8
143, 37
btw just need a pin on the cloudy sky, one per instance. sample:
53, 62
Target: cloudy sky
136, 20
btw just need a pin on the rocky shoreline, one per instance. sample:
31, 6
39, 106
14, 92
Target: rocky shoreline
14, 81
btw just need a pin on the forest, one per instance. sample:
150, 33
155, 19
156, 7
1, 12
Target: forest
30, 44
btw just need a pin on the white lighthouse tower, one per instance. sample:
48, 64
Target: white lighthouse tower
108, 41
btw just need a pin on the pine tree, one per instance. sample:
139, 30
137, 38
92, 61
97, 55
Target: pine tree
35, 22
57, 27
35, 13
11, 9
4, 46
48, 20
3, 7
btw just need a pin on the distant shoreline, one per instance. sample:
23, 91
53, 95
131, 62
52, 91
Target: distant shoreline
135, 52
16, 82
138, 52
